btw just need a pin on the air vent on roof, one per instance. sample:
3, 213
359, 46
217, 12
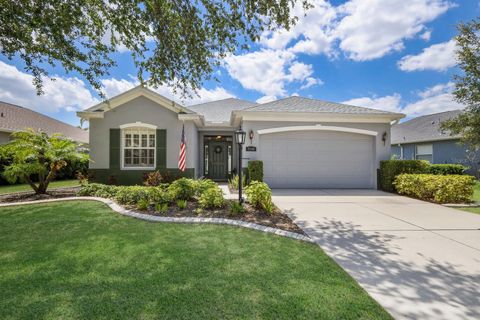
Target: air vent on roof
1, 115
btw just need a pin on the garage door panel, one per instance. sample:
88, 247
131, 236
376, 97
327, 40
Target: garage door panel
317, 159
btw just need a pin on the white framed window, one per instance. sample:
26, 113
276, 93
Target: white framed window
138, 147
424, 152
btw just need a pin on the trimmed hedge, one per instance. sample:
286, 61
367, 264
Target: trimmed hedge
437, 188
389, 169
255, 170
445, 169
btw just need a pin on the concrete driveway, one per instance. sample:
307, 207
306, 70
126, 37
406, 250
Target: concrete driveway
418, 260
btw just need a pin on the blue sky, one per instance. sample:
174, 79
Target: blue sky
395, 55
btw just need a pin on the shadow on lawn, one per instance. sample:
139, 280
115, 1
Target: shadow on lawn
370, 258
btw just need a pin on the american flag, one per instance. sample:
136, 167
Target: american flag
182, 157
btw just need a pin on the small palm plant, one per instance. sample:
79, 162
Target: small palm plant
38, 155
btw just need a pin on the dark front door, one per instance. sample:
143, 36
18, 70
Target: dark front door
218, 160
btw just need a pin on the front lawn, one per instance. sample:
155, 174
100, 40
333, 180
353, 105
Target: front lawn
476, 192
81, 260
26, 187
472, 210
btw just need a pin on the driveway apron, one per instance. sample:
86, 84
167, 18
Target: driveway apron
418, 260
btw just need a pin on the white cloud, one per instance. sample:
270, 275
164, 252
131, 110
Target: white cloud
433, 100
267, 71
266, 99
437, 57
69, 94
426, 35
112, 87
388, 103
371, 29
310, 82
312, 31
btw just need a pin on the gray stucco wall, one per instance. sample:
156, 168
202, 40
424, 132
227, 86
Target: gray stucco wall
382, 152
4, 137
447, 151
146, 111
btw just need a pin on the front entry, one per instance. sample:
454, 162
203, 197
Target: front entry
217, 156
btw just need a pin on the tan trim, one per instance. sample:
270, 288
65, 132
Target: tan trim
317, 127
89, 115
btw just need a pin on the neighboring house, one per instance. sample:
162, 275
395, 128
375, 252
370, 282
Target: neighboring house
421, 138
15, 118
303, 143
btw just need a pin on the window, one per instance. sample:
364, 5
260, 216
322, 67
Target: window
138, 146
424, 152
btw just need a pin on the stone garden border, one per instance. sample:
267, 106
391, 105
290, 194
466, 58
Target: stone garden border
135, 214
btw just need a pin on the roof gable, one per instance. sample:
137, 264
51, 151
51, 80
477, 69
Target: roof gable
220, 111
97, 110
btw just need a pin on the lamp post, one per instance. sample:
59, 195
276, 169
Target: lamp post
240, 139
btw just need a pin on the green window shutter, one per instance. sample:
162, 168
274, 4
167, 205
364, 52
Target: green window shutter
161, 148
114, 148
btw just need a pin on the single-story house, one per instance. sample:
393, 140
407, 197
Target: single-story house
16, 118
303, 143
422, 138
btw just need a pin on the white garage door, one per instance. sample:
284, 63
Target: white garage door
317, 159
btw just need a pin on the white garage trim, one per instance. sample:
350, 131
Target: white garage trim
317, 127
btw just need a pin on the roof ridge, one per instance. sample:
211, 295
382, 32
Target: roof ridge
224, 99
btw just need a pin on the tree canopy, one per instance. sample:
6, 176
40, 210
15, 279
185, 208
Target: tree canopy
173, 42
467, 86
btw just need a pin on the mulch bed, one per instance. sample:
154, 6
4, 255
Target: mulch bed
25, 196
275, 220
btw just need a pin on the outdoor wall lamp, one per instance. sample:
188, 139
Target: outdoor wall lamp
384, 137
240, 136
250, 135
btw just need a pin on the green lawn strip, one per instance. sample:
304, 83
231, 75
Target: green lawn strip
80, 260
473, 210
26, 187
476, 192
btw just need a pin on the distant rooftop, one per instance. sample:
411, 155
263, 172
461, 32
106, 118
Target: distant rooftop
219, 111
423, 128
15, 118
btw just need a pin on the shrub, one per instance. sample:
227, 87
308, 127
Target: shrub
445, 169
97, 190
143, 204
438, 188
158, 195
152, 179
203, 185
161, 207
131, 194
183, 189
389, 169
259, 195
255, 170
233, 182
212, 198
182, 204
236, 208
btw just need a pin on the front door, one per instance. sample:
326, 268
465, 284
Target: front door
218, 160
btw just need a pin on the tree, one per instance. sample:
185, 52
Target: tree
173, 42
467, 86
35, 155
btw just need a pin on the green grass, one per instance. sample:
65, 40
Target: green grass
476, 192
472, 210
81, 260
26, 187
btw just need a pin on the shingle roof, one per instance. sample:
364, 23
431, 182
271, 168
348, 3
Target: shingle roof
15, 118
424, 128
220, 111
301, 104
